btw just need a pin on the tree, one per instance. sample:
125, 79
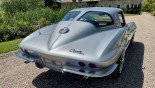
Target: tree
149, 5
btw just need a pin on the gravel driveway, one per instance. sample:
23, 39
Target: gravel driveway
138, 72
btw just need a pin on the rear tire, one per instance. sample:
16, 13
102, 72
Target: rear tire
119, 68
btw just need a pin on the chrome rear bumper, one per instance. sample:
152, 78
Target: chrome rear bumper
98, 73
102, 73
33, 59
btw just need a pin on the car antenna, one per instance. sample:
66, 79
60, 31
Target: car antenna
38, 22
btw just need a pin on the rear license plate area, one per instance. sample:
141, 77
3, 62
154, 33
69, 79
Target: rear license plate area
53, 64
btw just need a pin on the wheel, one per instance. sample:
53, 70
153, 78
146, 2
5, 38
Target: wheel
132, 40
119, 68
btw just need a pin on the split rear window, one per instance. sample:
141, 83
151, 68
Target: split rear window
98, 18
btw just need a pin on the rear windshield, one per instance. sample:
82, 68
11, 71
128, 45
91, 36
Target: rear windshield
98, 18
70, 16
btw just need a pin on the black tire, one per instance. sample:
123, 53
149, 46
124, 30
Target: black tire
119, 68
132, 40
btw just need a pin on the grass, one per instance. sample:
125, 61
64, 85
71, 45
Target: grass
9, 45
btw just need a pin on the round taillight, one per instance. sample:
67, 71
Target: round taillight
92, 65
61, 29
22, 50
82, 64
26, 51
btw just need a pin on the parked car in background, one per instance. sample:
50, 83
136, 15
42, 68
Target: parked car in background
87, 41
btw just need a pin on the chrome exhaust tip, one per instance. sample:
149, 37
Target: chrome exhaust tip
26, 62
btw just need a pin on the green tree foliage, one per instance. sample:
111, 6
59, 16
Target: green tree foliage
133, 10
4, 32
52, 4
149, 5
153, 13
21, 24
21, 17
11, 6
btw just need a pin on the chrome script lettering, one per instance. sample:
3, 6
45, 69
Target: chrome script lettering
74, 51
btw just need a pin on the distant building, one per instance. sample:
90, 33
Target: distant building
121, 3
101, 3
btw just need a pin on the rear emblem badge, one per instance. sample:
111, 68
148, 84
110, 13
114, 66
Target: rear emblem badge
64, 30
77, 52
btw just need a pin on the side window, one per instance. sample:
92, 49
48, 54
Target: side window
121, 18
100, 19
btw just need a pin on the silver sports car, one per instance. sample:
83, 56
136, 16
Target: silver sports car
87, 41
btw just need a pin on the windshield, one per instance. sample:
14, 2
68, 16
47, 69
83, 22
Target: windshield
100, 19
70, 16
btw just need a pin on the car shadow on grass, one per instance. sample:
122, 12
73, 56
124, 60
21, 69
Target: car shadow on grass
132, 75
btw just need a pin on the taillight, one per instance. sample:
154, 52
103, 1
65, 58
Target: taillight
26, 51
22, 49
82, 64
92, 65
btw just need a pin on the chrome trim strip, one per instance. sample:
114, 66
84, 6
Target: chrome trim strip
127, 45
26, 58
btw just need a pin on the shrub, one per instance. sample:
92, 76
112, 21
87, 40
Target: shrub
149, 5
91, 4
153, 13
22, 28
21, 24
11, 6
133, 10
4, 32
52, 4
1, 21
43, 22
49, 2
31, 16
18, 30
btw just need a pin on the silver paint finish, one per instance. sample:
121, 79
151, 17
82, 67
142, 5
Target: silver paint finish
99, 45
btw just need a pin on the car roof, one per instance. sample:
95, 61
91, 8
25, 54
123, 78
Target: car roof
108, 10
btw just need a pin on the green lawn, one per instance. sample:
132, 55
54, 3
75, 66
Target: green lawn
9, 45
